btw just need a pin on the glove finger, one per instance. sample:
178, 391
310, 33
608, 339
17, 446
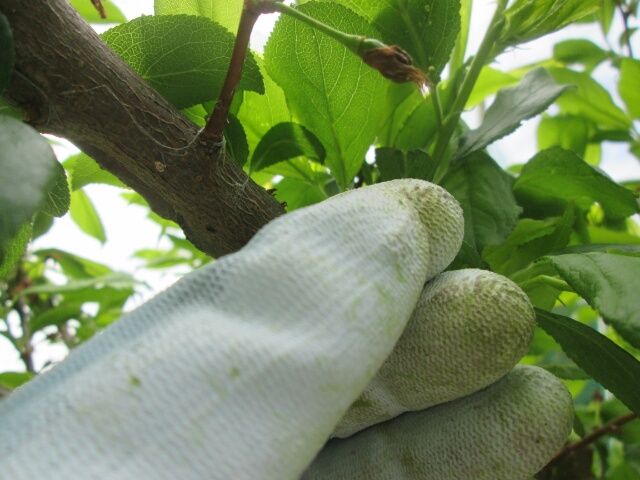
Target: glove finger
508, 431
242, 369
469, 328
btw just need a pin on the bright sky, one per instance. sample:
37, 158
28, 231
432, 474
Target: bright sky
128, 230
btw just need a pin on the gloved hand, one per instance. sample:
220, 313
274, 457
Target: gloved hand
246, 367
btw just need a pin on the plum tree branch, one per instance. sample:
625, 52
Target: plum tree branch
606, 429
72, 85
214, 129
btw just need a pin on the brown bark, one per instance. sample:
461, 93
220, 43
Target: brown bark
72, 85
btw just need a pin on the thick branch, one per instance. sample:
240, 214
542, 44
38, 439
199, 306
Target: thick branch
72, 85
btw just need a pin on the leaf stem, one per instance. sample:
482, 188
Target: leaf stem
352, 42
626, 13
214, 129
460, 49
470, 79
100, 8
437, 104
549, 281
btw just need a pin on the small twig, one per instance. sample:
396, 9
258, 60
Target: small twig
214, 129
99, 8
26, 353
611, 427
625, 20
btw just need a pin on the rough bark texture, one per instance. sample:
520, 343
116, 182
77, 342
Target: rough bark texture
72, 85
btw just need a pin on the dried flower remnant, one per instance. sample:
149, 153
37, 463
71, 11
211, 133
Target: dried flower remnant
391, 61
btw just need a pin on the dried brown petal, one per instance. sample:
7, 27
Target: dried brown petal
395, 64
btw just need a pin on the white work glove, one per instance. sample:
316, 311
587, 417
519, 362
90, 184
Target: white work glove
244, 369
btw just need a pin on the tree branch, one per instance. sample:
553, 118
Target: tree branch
100, 8
214, 129
72, 85
611, 427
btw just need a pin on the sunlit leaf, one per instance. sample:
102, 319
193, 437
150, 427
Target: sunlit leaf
84, 170
531, 19
629, 85
91, 14
533, 95
556, 178
427, 29
224, 12
184, 57
589, 99
330, 90
580, 51
86, 217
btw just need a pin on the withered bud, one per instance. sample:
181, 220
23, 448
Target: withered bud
392, 62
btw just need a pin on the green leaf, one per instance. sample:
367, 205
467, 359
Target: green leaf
426, 29
608, 364
285, 141
7, 52
42, 223
533, 279
58, 197
56, 315
580, 51
589, 100
236, 141
225, 12
530, 240
607, 235
394, 163
85, 216
490, 82
409, 119
460, 48
86, 9
298, 193
531, 19
609, 283
556, 178
184, 57
83, 170
72, 265
570, 132
27, 176
632, 250
259, 113
629, 86
533, 95
484, 192
330, 90
115, 280
14, 250
606, 14
12, 380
